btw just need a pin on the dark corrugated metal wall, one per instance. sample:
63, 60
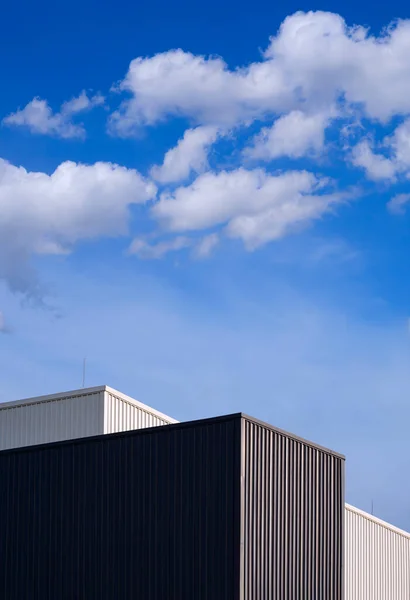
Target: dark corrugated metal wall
292, 518
162, 514
147, 515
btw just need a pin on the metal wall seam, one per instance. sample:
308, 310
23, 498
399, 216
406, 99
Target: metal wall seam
377, 559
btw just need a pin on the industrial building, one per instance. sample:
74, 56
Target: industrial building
71, 415
102, 497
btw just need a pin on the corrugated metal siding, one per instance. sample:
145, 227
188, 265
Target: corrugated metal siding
150, 515
49, 421
377, 559
121, 415
293, 515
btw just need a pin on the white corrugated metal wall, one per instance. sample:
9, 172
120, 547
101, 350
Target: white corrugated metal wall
51, 419
377, 561
81, 413
123, 414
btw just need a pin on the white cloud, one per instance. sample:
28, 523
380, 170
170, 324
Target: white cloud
377, 166
314, 61
324, 59
274, 223
295, 135
315, 69
81, 103
399, 203
38, 116
41, 213
180, 83
255, 206
400, 144
145, 250
336, 251
190, 154
148, 251
206, 246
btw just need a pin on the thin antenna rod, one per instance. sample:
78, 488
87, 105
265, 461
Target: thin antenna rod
84, 363
372, 508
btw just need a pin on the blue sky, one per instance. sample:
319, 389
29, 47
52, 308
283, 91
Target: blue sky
213, 205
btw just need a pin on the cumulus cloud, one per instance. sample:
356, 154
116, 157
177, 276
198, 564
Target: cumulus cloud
316, 73
190, 154
295, 135
377, 166
326, 60
204, 89
38, 116
314, 61
49, 214
399, 203
252, 205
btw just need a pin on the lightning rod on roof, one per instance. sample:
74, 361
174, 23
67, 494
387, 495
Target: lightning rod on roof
84, 364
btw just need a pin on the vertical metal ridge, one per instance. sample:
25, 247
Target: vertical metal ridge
72, 416
121, 415
293, 508
241, 581
61, 418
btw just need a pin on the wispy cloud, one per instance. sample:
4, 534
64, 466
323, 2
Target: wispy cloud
206, 245
399, 203
145, 250
189, 155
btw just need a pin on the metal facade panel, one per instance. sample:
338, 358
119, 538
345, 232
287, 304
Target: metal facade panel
293, 518
150, 515
51, 419
122, 414
377, 559
75, 414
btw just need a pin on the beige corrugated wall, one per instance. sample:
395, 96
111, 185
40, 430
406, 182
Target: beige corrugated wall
377, 565
293, 503
63, 418
71, 415
121, 415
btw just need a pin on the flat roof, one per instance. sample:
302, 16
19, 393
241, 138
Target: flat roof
86, 392
293, 436
176, 425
